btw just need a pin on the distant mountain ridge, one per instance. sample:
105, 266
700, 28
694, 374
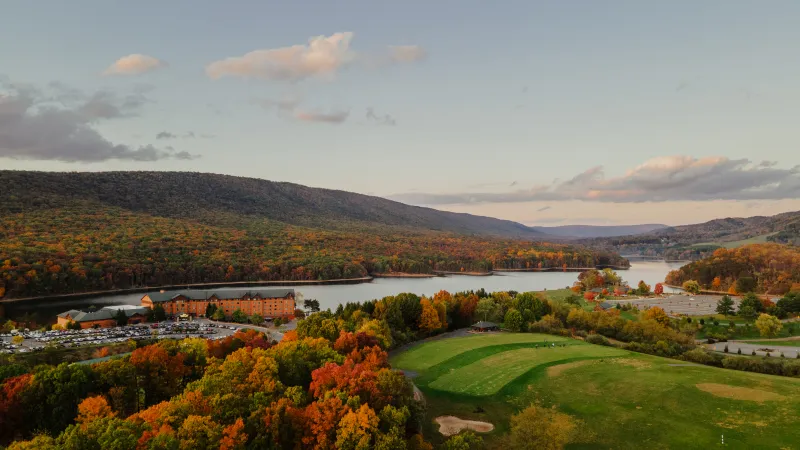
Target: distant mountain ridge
594, 231
700, 240
178, 194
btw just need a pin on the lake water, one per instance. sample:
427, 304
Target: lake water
332, 295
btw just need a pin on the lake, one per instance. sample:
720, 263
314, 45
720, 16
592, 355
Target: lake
331, 296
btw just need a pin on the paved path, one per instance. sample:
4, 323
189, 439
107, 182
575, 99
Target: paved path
747, 349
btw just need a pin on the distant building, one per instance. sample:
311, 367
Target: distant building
485, 326
103, 317
270, 303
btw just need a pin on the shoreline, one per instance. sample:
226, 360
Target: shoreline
560, 269
404, 275
293, 283
467, 274
92, 294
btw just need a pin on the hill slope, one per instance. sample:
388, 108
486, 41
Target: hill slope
764, 268
64, 233
595, 231
700, 240
193, 195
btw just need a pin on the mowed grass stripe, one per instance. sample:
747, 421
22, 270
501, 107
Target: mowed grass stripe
432, 353
469, 357
489, 375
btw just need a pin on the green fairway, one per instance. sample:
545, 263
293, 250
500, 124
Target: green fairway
424, 356
489, 375
622, 400
774, 343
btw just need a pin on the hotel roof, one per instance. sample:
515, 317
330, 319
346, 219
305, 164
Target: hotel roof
105, 313
222, 294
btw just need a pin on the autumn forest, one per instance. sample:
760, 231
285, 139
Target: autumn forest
104, 237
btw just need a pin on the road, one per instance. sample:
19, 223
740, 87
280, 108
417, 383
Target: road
747, 349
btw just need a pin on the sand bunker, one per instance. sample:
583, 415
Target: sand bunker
554, 371
738, 393
450, 425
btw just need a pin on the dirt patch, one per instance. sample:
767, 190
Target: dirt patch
450, 425
635, 363
554, 371
738, 393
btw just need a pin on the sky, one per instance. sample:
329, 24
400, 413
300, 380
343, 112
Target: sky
543, 112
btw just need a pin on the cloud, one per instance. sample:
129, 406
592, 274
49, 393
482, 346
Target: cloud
322, 57
134, 64
670, 178
187, 135
384, 119
543, 208
59, 124
407, 53
333, 117
289, 108
283, 105
166, 135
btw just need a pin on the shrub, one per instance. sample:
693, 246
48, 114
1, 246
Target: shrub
702, 321
702, 356
597, 339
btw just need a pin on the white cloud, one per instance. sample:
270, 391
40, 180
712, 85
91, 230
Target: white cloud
663, 179
322, 57
134, 64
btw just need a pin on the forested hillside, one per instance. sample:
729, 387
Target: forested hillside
204, 197
594, 231
67, 240
700, 240
763, 268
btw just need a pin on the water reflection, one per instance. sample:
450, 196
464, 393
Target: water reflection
332, 296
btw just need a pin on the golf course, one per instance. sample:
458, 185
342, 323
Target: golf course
618, 399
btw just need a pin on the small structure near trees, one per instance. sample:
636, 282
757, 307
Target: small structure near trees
484, 326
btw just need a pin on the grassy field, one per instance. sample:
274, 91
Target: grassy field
622, 399
558, 294
735, 244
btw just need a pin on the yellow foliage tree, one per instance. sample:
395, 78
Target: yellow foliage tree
541, 429
768, 326
357, 429
657, 314
429, 319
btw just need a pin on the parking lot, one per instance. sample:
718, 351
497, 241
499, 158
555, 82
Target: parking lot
691, 305
38, 340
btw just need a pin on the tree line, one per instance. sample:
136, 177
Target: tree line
760, 268
88, 247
